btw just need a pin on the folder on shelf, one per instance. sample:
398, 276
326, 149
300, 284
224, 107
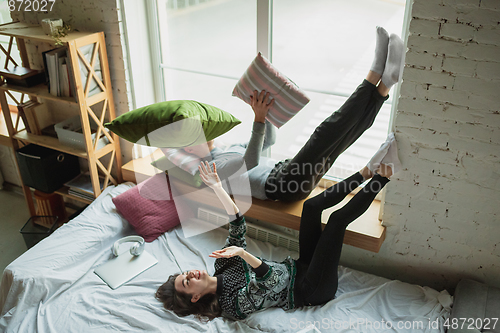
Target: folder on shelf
81, 195
81, 185
22, 76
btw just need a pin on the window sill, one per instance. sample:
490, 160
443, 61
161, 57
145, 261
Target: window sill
366, 232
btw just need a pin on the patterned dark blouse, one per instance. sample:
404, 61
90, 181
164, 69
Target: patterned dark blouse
242, 289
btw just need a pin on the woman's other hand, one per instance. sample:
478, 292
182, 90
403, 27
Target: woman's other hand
209, 177
228, 252
260, 106
233, 251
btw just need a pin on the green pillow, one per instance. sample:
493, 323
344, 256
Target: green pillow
163, 163
173, 124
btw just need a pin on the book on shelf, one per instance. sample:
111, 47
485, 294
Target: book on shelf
58, 73
20, 111
18, 72
81, 185
27, 112
22, 76
81, 195
64, 79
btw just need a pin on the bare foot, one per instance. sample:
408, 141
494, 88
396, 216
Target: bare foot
382, 89
366, 173
385, 170
373, 78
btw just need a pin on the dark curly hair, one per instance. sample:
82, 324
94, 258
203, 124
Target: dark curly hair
180, 303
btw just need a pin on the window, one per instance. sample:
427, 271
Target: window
325, 46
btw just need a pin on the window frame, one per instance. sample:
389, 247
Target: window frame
264, 31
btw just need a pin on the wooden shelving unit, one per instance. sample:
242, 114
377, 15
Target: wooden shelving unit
74, 41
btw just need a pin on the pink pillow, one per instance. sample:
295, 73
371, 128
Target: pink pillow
262, 75
150, 218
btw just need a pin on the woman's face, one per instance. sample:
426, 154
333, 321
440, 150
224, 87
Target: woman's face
193, 282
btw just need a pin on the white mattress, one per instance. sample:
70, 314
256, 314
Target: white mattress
52, 287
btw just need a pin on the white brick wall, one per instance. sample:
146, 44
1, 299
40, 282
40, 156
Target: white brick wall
443, 211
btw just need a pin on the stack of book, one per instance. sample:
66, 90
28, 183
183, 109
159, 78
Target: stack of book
58, 73
81, 186
27, 113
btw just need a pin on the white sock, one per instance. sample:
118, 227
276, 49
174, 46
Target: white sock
381, 48
394, 61
391, 158
375, 161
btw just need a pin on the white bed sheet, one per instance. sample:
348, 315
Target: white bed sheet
52, 287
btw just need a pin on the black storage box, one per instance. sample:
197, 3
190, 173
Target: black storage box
46, 169
33, 232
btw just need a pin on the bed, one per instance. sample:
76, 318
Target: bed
52, 287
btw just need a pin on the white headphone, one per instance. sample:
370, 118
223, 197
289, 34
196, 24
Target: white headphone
135, 249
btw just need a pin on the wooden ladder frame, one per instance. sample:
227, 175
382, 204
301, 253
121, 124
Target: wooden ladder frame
85, 102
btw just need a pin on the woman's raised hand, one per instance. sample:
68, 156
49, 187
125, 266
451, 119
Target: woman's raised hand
209, 177
260, 106
228, 252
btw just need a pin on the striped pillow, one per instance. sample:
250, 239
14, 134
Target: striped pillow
262, 75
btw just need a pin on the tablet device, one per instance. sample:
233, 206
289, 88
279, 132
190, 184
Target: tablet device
124, 268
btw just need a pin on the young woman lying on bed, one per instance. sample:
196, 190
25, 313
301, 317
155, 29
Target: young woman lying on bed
294, 179
243, 283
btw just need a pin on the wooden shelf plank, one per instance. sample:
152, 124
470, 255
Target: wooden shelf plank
49, 142
40, 90
54, 143
366, 232
35, 32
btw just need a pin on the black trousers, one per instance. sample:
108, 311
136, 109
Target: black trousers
316, 279
295, 178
